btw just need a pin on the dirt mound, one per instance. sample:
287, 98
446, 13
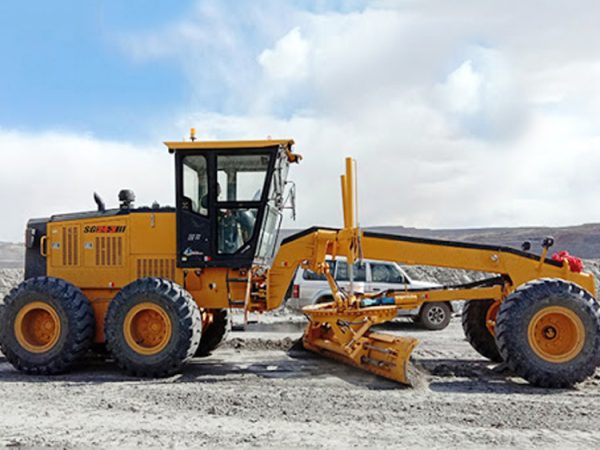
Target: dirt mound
255, 344
12, 255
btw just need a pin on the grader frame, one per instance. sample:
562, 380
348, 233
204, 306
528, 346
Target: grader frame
341, 329
154, 284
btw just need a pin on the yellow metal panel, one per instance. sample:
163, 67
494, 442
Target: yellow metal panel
211, 289
64, 245
102, 252
153, 233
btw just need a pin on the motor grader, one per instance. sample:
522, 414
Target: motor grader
154, 284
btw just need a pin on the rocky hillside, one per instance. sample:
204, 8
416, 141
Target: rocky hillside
9, 278
581, 240
11, 255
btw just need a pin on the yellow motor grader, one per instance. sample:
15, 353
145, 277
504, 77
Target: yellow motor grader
155, 284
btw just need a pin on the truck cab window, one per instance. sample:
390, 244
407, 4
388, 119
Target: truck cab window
386, 273
360, 271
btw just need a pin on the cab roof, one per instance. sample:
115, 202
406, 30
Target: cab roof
206, 145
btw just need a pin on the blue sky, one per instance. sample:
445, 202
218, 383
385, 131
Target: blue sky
459, 112
65, 67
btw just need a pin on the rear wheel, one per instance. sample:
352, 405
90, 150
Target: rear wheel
47, 324
548, 332
152, 328
475, 317
215, 325
435, 316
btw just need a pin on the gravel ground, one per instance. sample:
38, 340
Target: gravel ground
255, 392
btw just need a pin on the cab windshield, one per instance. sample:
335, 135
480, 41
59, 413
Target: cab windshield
240, 178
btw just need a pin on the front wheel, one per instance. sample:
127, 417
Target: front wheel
435, 316
152, 328
548, 332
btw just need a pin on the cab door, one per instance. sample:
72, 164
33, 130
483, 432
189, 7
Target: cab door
193, 206
242, 188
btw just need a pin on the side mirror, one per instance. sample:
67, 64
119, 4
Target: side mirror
30, 234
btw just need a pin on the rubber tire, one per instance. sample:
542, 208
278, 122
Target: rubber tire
186, 324
512, 325
77, 325
215, 333
474, 325
427, 324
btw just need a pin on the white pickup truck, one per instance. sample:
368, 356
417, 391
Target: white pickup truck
310, 288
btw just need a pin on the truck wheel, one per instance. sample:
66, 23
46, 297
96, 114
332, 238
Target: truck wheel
548, 332
152, 328
474, 322
47, 324
324, 299
435, 316
214, 331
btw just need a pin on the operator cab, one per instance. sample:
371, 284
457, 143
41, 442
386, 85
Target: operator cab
230, 197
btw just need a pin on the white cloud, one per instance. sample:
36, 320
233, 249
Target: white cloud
52, 173
445, 112
481, 96
288, 59
463, 114
461, 92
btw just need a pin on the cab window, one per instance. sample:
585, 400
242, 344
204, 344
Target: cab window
241, 178
195, 185
235, 228
386, 273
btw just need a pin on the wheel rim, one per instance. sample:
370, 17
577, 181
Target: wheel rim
436, 315
37, 327
556, 334
147, 328
490, 317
